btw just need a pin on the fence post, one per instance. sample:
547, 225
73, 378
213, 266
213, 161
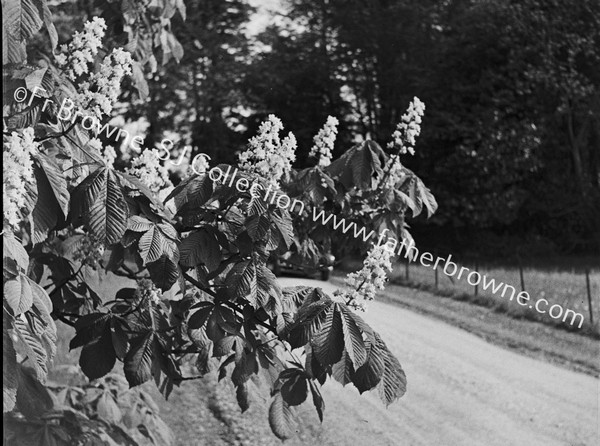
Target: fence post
589, 294
521, 275
436, 277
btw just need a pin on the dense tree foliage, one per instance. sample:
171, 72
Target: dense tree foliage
202, 298
512, 146
513, 94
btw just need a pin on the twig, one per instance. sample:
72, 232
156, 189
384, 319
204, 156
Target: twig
67, 280
228, 303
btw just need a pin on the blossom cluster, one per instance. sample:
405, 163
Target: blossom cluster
324, 141
394, 172
89, 251
150, 170
107, 153
75, 57
147, 290
102, 90
17, 172
267, 155
362, 286
409, 127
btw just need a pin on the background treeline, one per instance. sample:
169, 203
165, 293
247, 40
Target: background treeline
511, 138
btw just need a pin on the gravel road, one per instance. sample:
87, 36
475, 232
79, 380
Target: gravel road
461, 391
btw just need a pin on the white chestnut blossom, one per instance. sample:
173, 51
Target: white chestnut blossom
102, 90
147, 290
109, 155
324, 141
362, 286
75, 57
17, 171
106, 153
394, 172
200, 164
150, 170
409, 127
267, 155
89, 251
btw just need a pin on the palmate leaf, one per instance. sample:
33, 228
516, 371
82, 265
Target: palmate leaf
157, 239
88, 328
281, 418
245, 367
241, 280
137, 223
393, 382
258, 227
153, 244
98, 333
241, 394
309, 318
192, 192
107, 408
427, 198
330, 329
33, 398
224, 345
368, 376
27, 114
358, 166
13, 249
98, 357
268, 290
292, 297
328, 343
417, 194
98, 201
9, 367
202, 312
294, 386
33, 348
201, 247
317, 399
56, 180
316, 183
45, 214
108, 216
52, 204
281, 225
343, 341
22, 19
342, 370
18, 294
138, 362
164, 272
353, 337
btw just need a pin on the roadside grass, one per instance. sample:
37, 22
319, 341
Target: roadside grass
565, 286
567, 349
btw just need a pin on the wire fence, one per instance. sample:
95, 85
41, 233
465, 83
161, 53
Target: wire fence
575, 289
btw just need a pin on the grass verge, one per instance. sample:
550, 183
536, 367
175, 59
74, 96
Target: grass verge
532, 338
